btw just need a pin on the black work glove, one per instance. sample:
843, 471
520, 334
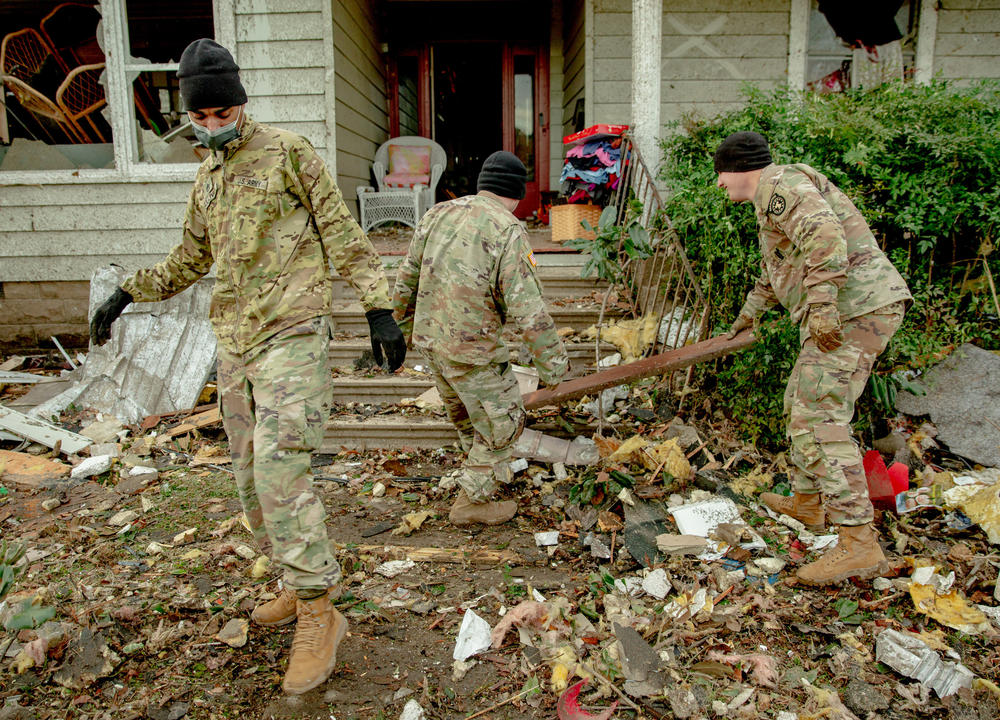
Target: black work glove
100, 324
386, 333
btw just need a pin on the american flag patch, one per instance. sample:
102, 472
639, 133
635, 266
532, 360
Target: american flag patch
531, 259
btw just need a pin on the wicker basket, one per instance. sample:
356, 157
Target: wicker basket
565, 220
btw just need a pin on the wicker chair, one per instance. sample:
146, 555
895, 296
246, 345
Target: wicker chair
81, 95
407, 170
37, 104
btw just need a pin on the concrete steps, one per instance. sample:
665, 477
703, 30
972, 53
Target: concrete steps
381, 389
559, 274
344, 352
367, 413
389, 432
579, 316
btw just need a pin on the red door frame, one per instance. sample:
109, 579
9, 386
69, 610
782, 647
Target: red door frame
422, 54
532, 200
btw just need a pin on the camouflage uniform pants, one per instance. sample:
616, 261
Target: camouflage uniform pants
819, 405
275, 400
484, 404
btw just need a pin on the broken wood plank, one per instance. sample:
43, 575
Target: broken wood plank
42, 432
151, 421
9, 377
196, 422
656, 365
12, 363
443, 555
30, 470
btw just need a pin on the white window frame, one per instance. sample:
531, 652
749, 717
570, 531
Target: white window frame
127, 168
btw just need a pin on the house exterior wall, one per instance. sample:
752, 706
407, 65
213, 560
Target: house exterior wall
556, 79
968, 40
58, 226
362, 108
574, 59
708, 53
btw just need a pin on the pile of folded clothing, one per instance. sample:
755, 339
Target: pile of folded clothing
592, 169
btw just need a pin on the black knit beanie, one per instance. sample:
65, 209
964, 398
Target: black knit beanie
503, 173
742, 152
209, 77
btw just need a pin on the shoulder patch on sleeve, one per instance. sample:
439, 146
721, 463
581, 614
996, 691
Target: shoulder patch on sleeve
777, 204
530, 257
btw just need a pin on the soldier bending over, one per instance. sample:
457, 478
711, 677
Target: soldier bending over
468, 270
821, 262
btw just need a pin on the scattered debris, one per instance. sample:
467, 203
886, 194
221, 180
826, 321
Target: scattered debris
235, 632
569, 708
42, 431
157, 361
96, 465
957, 396
473, 636
30, 470
913, 658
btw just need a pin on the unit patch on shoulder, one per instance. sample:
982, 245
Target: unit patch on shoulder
777, 205
530, 256
208, 191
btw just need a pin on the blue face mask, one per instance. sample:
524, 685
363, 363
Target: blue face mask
218, 138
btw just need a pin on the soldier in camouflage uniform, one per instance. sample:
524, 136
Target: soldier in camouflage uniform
821, 262
265, 210
469, 269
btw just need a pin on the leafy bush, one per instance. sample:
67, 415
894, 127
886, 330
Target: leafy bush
920, 162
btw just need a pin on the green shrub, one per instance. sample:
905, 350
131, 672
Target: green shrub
920, 162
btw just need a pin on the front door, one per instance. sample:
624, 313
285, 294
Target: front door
526, 130
473, 99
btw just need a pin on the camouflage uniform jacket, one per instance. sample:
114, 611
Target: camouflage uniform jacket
468, 269
816, 248
267, 212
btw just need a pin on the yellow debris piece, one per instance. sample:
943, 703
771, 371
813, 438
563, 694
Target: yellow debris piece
951, 609
260, 566
666, 455
631, 337
982, 505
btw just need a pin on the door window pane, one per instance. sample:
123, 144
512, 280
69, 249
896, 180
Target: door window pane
524, 111
409, 115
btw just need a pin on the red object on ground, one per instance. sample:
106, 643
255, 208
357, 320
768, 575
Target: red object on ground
880, 490
594, 132
568, 707
899, 476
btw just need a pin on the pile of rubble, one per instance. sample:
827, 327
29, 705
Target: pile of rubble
641, 578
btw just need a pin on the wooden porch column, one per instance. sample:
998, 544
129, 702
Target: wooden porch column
926, 40
647, 40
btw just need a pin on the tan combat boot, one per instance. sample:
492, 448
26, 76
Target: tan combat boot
279, 611
857, 555
807, 509
314, 649
465, 512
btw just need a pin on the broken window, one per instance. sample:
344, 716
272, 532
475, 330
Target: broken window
855, 44
54, 105
156, 35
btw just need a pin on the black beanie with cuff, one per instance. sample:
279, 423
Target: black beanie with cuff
742, 152
209, 77
504, 174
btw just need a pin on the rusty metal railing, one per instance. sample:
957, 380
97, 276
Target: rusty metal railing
663, 284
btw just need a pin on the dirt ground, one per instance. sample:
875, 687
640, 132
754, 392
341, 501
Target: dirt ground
137, 610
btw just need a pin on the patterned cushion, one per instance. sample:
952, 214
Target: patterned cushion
405, 180
409, 160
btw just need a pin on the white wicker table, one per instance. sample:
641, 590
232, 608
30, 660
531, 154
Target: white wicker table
378, 207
